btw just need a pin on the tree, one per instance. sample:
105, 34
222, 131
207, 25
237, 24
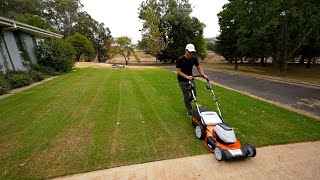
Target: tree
62, 14
35, 20
152, 34
96, 32
175, 18
278, 29
210, 43
56, 53
13, 8
81, 45
101, 44
125, 47
113, 48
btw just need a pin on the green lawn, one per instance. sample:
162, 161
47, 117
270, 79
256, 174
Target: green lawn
93, 119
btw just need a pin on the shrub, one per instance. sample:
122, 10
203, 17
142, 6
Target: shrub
36, 75
18, 79
4, 85
44, 69
57, 54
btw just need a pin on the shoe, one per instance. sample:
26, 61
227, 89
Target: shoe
189, 113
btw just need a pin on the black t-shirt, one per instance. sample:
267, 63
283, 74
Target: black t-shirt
186, 66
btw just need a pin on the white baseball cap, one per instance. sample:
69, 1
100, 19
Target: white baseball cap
190, 48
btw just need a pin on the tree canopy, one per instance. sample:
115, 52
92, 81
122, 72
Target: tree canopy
175, 25
282, 30
81, 45
62, 16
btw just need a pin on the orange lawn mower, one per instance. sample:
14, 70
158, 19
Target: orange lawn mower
218, 137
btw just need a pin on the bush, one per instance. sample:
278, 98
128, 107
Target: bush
4, 85
57, 54
36, 75
18, 79
46, 70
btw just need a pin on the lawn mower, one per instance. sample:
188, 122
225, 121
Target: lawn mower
218, 137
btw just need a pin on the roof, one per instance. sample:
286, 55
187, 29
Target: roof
15, 25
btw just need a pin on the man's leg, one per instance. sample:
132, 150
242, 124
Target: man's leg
186, 94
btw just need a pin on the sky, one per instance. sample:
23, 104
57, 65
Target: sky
121, 16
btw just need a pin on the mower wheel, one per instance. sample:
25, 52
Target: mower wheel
250, 149
199, 130
219, 153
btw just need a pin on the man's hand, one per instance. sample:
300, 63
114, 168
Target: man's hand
190, 78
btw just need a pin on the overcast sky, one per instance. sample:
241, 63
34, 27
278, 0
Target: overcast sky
121, 16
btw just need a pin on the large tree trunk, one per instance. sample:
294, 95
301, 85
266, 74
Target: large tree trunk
262, 61
236, 64
309, 62
78, 57
301, 61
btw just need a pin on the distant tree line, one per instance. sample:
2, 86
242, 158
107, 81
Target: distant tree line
281, 30
65, 17
168, 27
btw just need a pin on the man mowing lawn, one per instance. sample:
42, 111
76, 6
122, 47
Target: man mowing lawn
184, 67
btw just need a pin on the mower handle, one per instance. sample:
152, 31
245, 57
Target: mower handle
199, 75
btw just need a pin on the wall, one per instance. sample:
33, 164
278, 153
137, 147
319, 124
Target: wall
13, 50
30, 46
5, 60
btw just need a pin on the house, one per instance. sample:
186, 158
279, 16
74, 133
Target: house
18, 42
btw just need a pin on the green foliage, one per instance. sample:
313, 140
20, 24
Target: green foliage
124, 47
22, 48
62, 16
176, 26
154, 33
13, 8
81, 45
136, 57
36, 75
18, 78
56, 53
101, 43
4, 85
210, 46
46, 70
5, 61
283, 30
35, 20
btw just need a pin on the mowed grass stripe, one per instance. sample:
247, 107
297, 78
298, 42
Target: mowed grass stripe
30, 101
70, 149
17, 123
41, 131
180, 131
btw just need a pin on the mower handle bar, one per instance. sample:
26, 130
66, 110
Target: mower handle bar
199, 75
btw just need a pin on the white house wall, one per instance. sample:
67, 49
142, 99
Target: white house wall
30, 46
4, 57
12, 48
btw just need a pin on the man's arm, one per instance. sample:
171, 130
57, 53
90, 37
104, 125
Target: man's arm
200, 70
180, 73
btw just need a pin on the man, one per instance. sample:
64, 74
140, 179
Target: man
184, 67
